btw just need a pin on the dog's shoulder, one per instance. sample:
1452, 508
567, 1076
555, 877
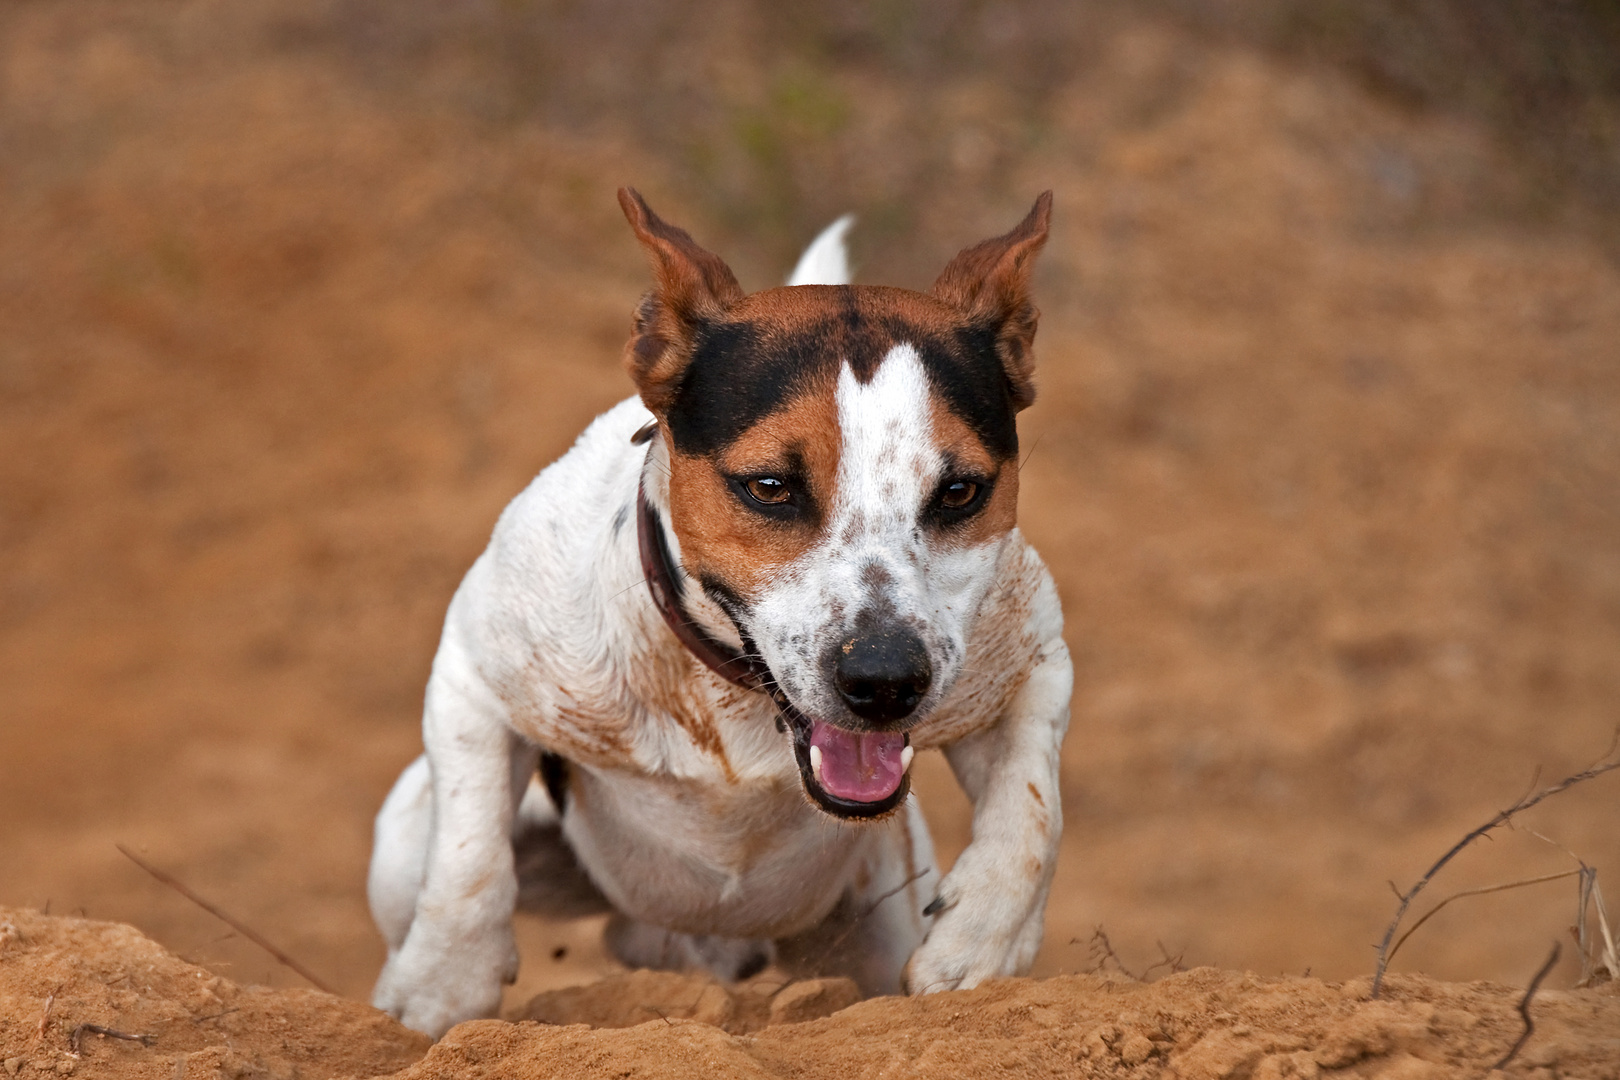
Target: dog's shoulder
543, 590
590, 488
567, 514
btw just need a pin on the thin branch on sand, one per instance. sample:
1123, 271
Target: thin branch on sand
107, 1033
234, 923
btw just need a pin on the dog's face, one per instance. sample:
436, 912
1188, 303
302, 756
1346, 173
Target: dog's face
843, 475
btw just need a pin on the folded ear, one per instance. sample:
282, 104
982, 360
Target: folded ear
691, 288
989, 283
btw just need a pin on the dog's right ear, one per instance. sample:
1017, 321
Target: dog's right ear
691, 289
989, 283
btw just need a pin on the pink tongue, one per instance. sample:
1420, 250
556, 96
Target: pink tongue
857, 767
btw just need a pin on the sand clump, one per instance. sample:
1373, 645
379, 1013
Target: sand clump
1202, 1024
636, 997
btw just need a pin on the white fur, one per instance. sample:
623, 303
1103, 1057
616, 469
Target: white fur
826, 260
889, 467
686, 808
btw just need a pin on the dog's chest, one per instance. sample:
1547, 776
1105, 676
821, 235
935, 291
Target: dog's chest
749, 859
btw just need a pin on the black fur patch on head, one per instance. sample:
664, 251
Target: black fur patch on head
733, 381
742, 371
966, 371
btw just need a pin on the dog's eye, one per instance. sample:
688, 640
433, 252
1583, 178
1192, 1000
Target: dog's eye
958, 494
957, 499
782, 497
767, 490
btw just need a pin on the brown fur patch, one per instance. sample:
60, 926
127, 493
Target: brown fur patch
1000, 514
670, 680
854, 323
566, 727
721, 536
767, 349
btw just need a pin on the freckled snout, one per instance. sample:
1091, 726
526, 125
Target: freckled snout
882, 676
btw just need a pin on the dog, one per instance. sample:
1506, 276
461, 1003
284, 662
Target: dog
686, 680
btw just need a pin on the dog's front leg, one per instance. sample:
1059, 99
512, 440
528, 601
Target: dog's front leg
991, 904
460, 950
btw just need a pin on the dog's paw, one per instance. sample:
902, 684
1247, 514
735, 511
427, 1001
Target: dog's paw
977, 935
430, 988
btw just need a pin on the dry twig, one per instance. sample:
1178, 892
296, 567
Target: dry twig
1410, 930
108, 1033
45, 1013
234, 923
1607, 959
843, 934
1102, 951
1524, 1007
1172, 963
1589, 894
1525, 802
215, 1016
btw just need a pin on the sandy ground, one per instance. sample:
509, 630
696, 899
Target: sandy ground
65, 982
1325, 463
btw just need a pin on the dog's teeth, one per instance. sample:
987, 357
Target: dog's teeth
815, 762
905, 758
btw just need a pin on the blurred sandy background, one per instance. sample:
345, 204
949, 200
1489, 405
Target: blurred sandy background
295, 295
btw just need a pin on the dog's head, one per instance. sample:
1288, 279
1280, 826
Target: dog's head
843, 474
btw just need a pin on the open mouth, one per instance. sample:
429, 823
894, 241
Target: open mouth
850, 774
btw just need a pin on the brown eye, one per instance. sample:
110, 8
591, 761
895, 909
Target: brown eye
959, 494
767, 490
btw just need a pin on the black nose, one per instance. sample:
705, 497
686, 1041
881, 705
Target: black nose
882, 676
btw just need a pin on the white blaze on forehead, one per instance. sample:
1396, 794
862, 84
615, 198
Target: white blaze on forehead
888, 468
888, 458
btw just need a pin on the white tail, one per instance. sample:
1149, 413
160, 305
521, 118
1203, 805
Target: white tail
826, 260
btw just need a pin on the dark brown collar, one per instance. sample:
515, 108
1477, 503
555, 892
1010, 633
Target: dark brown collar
720, 658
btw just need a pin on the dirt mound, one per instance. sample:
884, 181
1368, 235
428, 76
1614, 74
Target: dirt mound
1202, 1024
62, 979
59, 976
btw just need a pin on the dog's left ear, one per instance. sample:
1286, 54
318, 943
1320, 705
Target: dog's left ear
691, 289
989, 283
